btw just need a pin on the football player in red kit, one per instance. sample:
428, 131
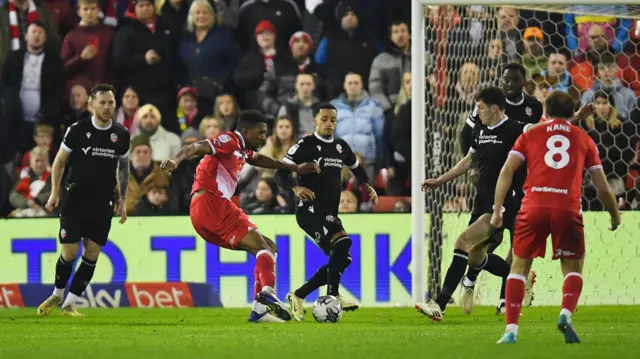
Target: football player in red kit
219, 221
556, 155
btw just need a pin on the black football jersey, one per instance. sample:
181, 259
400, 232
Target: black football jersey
331, 156
490, 148
527, 110
90, 178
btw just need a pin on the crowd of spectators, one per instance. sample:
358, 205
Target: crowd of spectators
184, 69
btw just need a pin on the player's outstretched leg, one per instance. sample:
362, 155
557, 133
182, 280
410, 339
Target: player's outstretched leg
514, 295
571, 289
475, 234
64, 267
296, 298
339, 260
82, 277
254, 243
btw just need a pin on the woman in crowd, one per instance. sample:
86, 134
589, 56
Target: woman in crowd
210, 127
126, 114
265, 199
208, 51
227, 110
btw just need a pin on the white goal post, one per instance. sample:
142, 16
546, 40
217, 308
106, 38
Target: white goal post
421, 145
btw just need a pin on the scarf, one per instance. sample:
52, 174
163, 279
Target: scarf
14, 28
110, 18
31, 188
131, 123
269, 57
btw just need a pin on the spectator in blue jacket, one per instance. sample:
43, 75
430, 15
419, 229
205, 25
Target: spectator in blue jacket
209, 53
360, 121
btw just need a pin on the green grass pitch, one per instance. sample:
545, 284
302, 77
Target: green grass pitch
606, 332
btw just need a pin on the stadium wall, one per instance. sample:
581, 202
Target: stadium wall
167, 250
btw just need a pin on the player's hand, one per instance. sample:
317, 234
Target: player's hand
53, 202
473, 175
430, 183
373, 195
584, 112
122, 211
169, 165
496, 220
304, 193
307, 168
615, 222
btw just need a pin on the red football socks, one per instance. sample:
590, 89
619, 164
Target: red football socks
514, 297
265, 268
571, 289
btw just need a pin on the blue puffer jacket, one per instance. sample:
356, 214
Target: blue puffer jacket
360, 124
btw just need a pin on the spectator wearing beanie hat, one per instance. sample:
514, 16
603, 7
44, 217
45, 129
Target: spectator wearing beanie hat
187, 113
348, 49
145, 174
283, 14
279, 85
257, 63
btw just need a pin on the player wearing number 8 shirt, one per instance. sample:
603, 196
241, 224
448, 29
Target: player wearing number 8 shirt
556, 154
317, 209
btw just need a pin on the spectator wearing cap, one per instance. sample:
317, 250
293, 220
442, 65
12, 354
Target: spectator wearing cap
144, 174
33, 81
165, 144
209, 53
534, 60
182, 177
143, 54
283, 14
188, 114
253, 66
85, 50
385, 79
280, 85
15, 16
347, 49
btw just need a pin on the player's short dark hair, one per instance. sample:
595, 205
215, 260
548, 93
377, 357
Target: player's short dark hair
559, 105
101, 88
323, 106
515, 66
492, 96
250, 118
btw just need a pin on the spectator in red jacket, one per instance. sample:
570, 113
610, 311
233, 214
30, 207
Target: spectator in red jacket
85, 50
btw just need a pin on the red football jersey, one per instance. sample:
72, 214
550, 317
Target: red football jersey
218, 173
556, 154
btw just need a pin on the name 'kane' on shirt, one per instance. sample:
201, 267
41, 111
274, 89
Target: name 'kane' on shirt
331, 155
490, 148
93, 161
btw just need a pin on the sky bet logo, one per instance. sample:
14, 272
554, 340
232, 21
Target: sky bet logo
384, 269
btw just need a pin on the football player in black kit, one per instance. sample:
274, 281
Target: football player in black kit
317, 208
94, 150
492, 139
520, 107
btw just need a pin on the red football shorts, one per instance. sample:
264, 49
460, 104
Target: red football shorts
218, 220
533, 226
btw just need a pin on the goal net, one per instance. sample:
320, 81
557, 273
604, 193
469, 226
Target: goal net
589, 51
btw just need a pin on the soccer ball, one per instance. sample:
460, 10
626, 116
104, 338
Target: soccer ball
327, 309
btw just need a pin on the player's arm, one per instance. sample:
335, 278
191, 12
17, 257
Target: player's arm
57, 169
263, 161
466, 135
459, 169
606, 195
199, 148
514, 161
